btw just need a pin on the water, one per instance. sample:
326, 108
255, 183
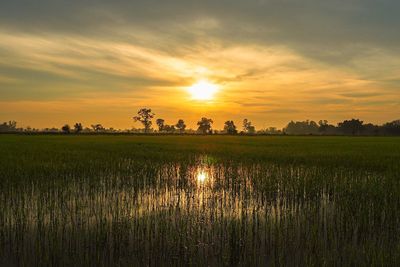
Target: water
196, 212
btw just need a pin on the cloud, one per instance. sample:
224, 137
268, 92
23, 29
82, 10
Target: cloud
310, 22
270, 57
360, 94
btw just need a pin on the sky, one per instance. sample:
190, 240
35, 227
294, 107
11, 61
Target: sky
66, 61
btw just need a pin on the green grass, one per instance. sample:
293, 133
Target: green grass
136, 201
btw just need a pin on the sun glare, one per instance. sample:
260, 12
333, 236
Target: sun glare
203, 90
201, 176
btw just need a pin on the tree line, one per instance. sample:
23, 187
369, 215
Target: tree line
346, 127
145, 117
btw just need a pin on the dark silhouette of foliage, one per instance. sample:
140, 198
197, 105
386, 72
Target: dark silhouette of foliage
205, 125
370, 129
162, 127
230, 128
248, 127
144, 116
66, 128
270, 131
161, 124
302, 127
392, 128
346, 127
78, 127
181, 126
9, 126
326, 128
351, 127
169, 128
98, 127
323, 126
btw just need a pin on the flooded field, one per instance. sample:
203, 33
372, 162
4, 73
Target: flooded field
202, 201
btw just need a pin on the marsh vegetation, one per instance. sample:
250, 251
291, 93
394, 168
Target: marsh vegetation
199, 200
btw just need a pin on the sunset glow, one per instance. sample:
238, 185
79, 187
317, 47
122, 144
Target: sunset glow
66, 63
207, 133
203, 90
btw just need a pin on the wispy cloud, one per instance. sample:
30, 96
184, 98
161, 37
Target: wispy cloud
274, 60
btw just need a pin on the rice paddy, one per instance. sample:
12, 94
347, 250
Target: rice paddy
199, 201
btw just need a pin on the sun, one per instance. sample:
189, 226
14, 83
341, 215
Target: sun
201, 176
203, 90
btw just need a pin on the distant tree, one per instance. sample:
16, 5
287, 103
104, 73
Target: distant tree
12, 125
160, 124
51, 130
370, 129
351, 127
97, 127
205, 125
230, 128
86, 130
169, 128
325, 128
251, 130
78, 127
246, 124
302, 127
181, 126
248, 127
4, 127
8, 126
144, 116
66, 128
291, 128
271, 131
392, 128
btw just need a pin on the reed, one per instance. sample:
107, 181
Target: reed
202, 201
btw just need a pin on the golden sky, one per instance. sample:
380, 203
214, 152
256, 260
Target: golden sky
273, 61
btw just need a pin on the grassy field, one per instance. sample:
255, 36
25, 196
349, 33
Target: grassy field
199, 200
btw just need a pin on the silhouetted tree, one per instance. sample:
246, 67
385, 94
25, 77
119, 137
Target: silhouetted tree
78, 127
325, 128
205, 125
169, 128
302, 127
8, 126
392, 128
66, 128
370, 129
270, 130
4, 127
51, 130
97, 127
144, 116
12, 125
160, 124
246, 124
247, 127
230, 128
181, 126
351, 127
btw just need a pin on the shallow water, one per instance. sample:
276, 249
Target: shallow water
197, 212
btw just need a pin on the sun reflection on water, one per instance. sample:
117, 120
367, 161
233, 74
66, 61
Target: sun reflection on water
202, 176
